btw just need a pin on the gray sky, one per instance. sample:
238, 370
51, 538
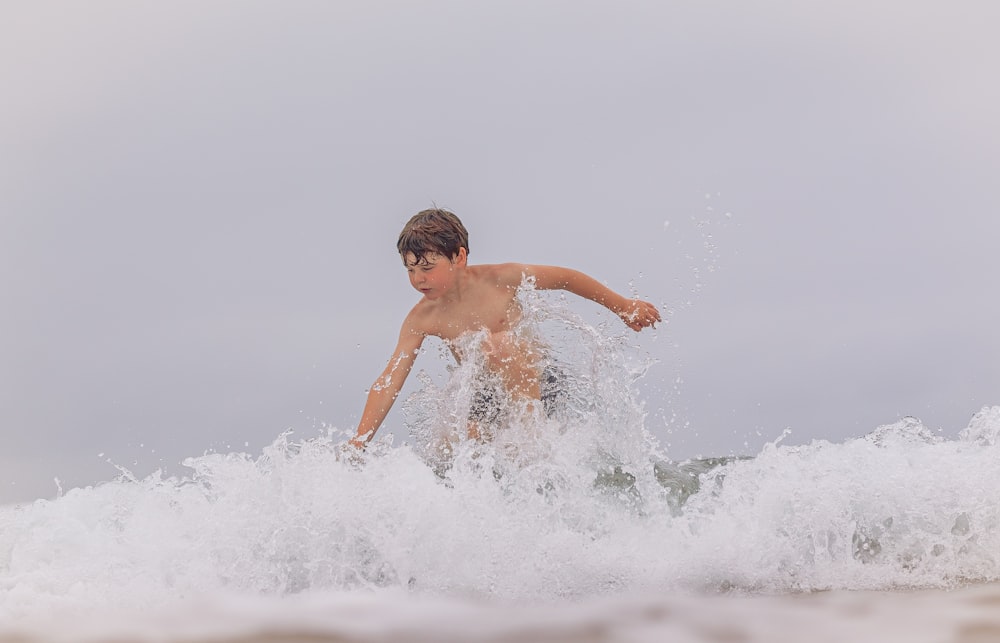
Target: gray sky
200, 203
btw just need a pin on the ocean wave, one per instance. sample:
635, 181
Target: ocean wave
569, 506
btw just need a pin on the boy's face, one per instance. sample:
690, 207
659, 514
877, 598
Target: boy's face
433, 274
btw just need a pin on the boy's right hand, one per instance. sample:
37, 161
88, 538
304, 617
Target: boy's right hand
360, 441
351, 452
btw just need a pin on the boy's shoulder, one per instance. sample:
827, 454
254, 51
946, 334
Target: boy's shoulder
507, 274
421, 312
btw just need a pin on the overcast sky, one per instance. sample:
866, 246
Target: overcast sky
200, 202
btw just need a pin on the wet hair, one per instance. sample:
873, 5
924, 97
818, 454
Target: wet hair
433, 231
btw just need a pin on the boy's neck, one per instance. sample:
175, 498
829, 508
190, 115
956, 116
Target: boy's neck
454, 294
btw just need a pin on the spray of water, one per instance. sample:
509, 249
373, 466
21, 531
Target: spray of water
571, 501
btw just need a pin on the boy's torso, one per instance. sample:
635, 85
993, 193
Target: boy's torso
485, 302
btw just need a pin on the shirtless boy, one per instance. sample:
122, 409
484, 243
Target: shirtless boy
459, 298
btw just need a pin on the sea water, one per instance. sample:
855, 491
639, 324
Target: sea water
570, 524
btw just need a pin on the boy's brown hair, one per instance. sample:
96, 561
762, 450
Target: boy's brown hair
433, 231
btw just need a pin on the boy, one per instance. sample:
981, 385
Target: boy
459, 298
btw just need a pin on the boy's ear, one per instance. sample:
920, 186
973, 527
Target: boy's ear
462, 257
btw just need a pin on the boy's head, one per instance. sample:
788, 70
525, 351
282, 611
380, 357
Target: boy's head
432, 231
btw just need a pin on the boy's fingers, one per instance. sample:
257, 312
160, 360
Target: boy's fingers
641, 315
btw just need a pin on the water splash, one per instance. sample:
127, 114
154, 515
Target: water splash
579, 504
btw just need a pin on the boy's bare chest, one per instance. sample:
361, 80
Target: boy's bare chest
492, 311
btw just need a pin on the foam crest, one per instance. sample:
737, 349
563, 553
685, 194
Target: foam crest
897, 508
570, 504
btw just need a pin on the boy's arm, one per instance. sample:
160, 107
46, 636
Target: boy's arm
636, 314
386, 388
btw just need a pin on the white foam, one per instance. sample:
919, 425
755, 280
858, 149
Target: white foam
557, 510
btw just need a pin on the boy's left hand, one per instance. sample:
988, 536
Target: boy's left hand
639, 314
